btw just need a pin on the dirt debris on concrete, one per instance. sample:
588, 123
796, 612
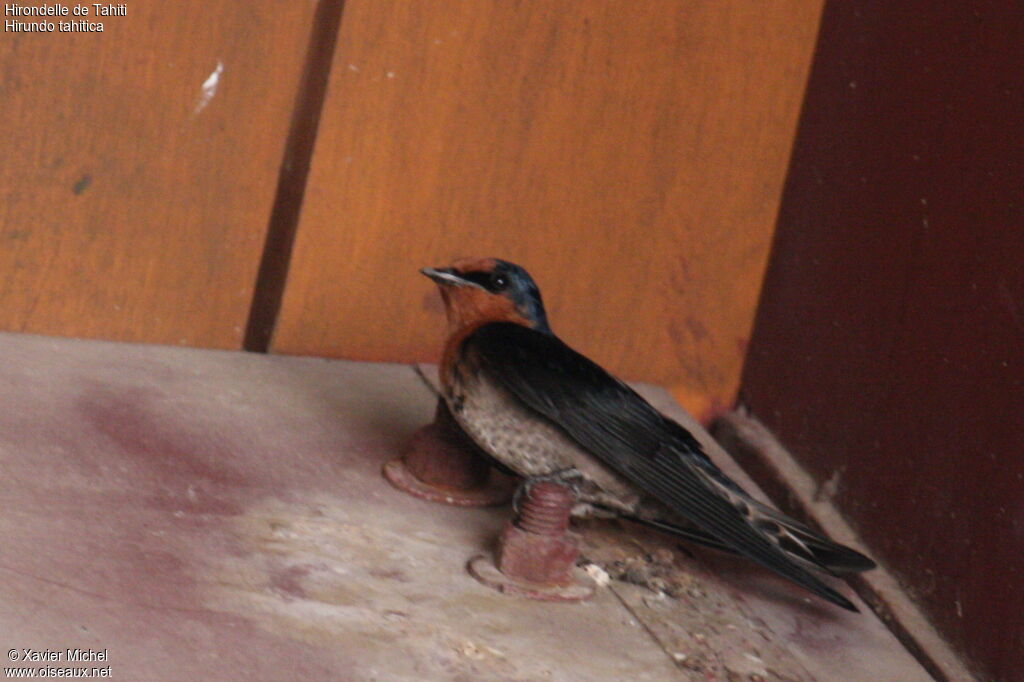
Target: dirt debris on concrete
701, 627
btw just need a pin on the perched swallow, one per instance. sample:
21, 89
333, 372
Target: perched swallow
548, 413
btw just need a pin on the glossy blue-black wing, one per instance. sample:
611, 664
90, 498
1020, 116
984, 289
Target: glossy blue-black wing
623, 431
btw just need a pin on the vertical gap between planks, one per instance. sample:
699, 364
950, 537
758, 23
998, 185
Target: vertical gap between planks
291, 183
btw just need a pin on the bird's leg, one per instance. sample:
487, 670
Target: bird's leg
569, 477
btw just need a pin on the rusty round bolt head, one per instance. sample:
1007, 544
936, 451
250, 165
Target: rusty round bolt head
441, 454
442, 464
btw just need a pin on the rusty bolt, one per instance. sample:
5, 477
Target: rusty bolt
442, 464
537, 554
545, 509
441, 454
537, 546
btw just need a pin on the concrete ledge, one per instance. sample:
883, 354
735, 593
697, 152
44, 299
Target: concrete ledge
221, 516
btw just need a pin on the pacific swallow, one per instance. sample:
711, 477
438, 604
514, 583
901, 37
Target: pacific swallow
545, 411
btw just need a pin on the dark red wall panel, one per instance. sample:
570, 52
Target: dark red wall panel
888, 350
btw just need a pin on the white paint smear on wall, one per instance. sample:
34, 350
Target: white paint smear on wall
209, 88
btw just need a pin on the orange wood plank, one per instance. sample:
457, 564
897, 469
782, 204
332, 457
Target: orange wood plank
631, 155
134, 203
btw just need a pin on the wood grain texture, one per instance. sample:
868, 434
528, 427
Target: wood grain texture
630, 155
133, 206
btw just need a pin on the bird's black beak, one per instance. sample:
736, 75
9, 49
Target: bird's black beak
445, 277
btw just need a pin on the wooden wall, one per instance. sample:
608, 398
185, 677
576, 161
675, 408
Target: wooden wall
631, 155
132, 205
887, 352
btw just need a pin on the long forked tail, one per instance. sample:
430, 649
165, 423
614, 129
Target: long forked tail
798, 541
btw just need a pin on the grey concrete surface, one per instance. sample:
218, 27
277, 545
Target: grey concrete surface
205, 515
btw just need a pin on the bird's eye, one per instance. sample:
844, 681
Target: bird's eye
498, 282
